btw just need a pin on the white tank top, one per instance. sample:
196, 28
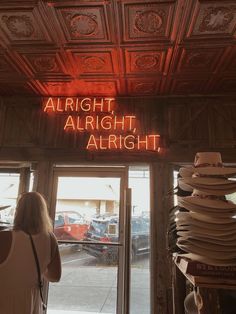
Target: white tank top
19, 292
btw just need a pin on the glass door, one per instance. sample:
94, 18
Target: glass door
13, 181
89, 214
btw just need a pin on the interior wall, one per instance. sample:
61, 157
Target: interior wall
186, 126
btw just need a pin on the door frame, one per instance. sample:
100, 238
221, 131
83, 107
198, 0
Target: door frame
123, 284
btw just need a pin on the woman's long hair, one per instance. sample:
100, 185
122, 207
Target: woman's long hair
31, 214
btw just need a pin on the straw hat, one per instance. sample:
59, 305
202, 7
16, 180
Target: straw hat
213, 186
218, 183
206, 231
208, 164
189, 222
215, 171
210, 237
186, 172
210, 245
205, 218
205, 201
203, 159
184, 186
209, 251
214, 213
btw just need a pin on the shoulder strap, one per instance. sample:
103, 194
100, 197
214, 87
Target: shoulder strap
40, 283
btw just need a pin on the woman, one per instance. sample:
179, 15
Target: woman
19, 290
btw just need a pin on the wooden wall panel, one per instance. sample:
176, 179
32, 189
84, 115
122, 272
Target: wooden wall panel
185, 125
21, 126
2, 119
161, 183
206, 124
188, 124
223, 119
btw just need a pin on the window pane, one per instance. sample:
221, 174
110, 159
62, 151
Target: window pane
87, 209
9, 184
140, 240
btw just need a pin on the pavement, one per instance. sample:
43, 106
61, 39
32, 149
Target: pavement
89, 288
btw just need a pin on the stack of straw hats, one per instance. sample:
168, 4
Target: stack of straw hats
207, 230
179, 191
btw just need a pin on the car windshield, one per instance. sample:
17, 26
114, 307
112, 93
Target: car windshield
65, 218
98, 227
59, 221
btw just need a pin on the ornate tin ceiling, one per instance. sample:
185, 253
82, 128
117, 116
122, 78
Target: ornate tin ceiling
117, 47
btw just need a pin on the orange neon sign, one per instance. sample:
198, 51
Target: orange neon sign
75, 104
107, 129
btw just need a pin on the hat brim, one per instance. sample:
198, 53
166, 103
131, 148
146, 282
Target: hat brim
205, 225
186, 172
212, 186
214, 213
184, 186
206, 181
224, 239
205, 231
205, 218
198, 202
207, 252
219, 191
207, 171
210, 244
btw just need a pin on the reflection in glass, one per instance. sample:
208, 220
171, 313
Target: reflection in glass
9, 184
140, 240
87, 209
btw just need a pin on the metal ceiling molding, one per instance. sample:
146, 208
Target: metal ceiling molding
117, 48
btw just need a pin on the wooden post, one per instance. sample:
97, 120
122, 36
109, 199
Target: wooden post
43, 179
161, 183
24, 180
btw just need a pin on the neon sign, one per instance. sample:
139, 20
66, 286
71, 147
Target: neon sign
107, 129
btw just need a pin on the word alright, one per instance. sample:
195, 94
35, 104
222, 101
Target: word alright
117, 132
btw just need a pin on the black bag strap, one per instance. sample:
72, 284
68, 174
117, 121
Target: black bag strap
40, 282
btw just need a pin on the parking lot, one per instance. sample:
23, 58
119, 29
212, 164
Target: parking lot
90, 286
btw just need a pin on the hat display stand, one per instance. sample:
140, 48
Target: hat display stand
206, 230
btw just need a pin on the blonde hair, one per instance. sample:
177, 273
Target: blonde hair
31, 214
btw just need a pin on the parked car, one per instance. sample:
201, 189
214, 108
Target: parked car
70, 225
105, 229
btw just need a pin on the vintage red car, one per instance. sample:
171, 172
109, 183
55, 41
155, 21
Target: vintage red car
70, 225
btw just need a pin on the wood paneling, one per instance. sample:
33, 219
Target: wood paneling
186, 125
